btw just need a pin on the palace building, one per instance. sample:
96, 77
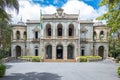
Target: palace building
60, 37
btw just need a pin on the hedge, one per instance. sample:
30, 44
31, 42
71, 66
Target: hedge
118, 71
88, 58
2, 70
31, 58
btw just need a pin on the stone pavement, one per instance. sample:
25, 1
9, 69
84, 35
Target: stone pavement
60, 71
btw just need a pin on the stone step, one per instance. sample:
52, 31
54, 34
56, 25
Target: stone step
59, 60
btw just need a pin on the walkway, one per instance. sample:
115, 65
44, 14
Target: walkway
61, 71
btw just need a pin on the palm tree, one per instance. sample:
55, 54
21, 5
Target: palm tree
9, 4
5, 30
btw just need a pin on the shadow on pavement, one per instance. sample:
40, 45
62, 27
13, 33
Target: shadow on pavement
8, 66
32, 76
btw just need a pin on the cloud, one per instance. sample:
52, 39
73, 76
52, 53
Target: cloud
31, 11
86, 11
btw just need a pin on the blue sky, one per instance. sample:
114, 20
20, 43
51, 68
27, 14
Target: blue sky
59, 3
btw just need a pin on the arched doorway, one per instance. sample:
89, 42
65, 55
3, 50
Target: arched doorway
82, 52
18, 51
59, 51
70, 52
101, 51
49, 52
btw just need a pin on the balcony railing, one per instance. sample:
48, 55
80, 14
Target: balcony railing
36, 40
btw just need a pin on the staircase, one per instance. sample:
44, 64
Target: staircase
59, 60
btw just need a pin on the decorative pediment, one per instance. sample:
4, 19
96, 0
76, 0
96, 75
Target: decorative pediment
60, 11
36, 29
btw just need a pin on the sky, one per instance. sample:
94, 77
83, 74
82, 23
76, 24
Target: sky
30, 9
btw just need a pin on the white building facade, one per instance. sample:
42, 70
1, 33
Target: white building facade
60, 37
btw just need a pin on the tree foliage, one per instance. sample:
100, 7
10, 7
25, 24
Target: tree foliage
112, 16
9, 4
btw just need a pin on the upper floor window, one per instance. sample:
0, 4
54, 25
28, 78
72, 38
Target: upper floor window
18, 34
94, 35
59, 30
101, 34
49, 31
36, 34
71, 30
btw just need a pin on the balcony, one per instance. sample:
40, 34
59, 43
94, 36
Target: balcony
36, 40
83, 40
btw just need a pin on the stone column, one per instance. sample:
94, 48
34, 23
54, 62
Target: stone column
21, 34
54, 52
14, 35
65, 52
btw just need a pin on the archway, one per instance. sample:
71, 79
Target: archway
71, 30
82, 52
18, 51
49, 52
17, 34
59, 51
59, 30
48, 30
70, 52
101, 51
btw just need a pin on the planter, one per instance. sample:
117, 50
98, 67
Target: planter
2, 70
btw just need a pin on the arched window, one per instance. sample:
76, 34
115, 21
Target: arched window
71, 30
59, 30
25, 35
18, 34
48, 30
36, 34
94, 35
101, 34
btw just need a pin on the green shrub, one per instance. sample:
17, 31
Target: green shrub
2, 70
118, 71
83, 59
33, 58
36, 59
88, 58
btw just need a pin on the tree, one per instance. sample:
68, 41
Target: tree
10, 4
5, 29
112, 16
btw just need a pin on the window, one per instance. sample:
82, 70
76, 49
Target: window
101, 34
18, 34
70, 31
49, 31
59, 31
94, 35
36, 35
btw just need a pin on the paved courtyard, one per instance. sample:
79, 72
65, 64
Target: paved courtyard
61, 71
